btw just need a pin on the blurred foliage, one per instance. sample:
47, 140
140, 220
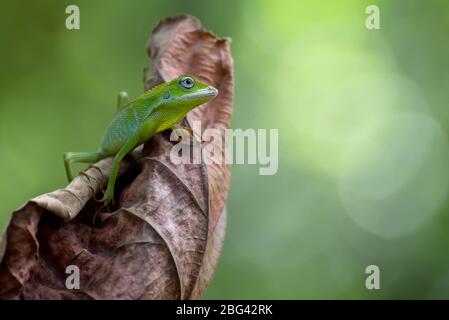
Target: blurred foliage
362, 118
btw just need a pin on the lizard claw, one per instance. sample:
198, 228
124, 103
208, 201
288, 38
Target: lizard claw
108, 197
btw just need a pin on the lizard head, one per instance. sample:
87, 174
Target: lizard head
188, 91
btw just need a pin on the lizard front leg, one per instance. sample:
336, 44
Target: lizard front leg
108, 196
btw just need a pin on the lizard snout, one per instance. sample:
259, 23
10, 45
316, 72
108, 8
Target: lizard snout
213, 91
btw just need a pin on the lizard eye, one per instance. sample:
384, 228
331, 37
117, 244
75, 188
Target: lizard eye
187, 82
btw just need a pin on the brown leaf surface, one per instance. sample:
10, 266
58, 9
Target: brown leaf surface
165, 236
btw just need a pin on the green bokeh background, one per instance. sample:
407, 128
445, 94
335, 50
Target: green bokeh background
363, 132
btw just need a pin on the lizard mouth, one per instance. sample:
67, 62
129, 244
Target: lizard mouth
206, 93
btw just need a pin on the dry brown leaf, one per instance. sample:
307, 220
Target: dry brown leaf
164, 239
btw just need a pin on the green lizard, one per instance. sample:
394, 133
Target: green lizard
135, 122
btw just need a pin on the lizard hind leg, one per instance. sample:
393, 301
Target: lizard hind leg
122, 99
81, 157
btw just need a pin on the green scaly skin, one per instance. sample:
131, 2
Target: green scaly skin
137, 121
